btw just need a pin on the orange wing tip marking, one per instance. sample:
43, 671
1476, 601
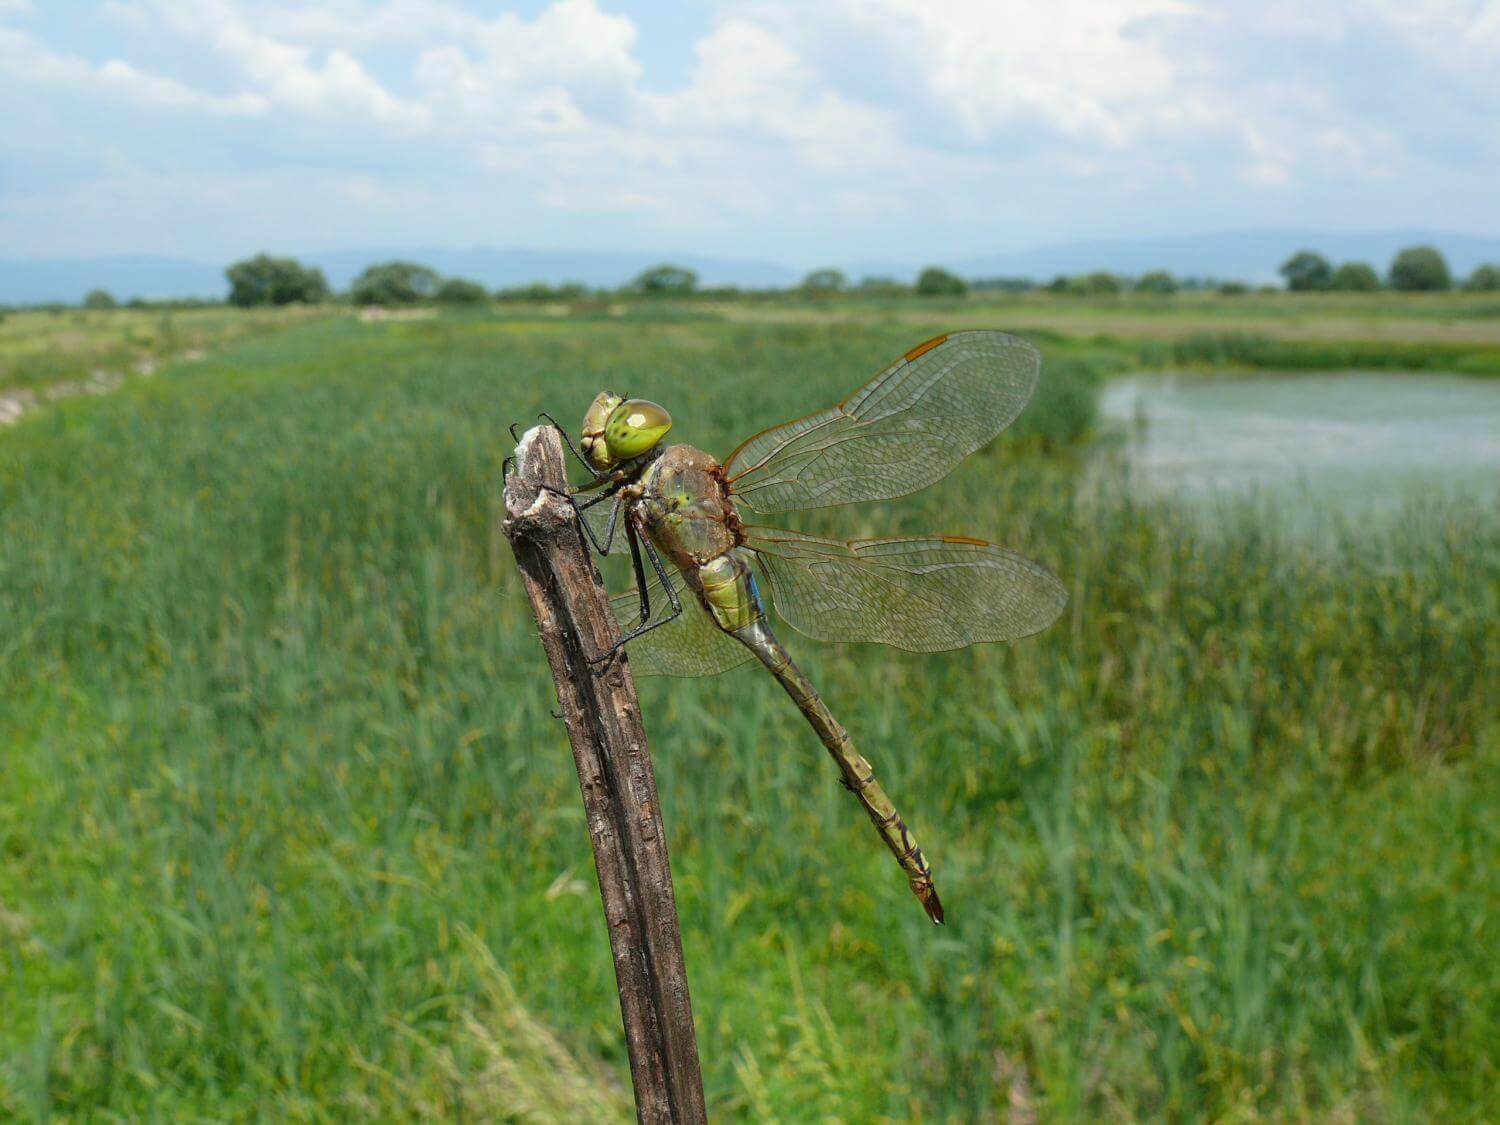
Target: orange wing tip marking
965, 539
923, 349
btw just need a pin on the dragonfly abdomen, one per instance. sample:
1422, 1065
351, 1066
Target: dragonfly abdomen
858, 774
726, 586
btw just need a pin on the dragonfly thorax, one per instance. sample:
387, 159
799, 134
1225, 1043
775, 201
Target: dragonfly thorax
685, 508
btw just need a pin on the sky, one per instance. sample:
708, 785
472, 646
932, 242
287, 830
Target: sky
804, 133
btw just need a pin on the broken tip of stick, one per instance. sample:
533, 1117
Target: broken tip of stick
536, 460
523, 447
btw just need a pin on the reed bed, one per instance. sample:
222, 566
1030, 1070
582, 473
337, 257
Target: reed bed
287, 827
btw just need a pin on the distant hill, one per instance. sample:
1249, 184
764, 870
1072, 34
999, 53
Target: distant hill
1241, 255
27, 281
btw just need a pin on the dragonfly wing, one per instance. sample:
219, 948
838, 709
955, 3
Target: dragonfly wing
689, 645
597, 517
918, 594
903, 430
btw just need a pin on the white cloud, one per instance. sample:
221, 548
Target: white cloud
925, 123
355, 25
154, 89
288, 76
1080, 65
741, 63
570, 41
509, 73
748, 83
25, 60
1270, 162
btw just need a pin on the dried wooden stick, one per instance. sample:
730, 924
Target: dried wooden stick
603, 716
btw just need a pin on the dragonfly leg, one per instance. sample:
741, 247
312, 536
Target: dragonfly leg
661, 573
636, 544
640, 576
567, 437
598, 476
578, 509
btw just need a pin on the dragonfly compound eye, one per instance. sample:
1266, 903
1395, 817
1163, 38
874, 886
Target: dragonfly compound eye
594, 447
635, 427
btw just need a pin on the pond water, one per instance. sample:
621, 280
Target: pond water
1358, 439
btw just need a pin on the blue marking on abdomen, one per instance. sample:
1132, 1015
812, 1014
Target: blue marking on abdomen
760, 606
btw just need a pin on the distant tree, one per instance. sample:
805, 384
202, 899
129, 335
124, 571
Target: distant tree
935, 281
1233, 288
665, 281
1484, 279
1355, 277
99, 299
1100, 283
875, 286
1306, 271
825, 281
462, 291
1002, 284
395, 283
264, 280
1420, 268
541, 291
1157, 281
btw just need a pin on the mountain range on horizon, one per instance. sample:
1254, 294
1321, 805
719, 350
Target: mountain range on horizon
1246, 255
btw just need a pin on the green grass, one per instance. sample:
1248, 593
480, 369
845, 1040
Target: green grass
1219, 350
1472, 318
1221, 844
1385, 305
42, 349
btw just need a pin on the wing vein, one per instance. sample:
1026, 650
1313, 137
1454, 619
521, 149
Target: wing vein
905, 429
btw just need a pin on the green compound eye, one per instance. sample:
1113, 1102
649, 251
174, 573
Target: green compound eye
634, 427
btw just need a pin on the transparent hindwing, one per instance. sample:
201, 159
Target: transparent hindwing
690, 645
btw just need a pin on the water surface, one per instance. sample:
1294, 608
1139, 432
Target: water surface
1358, 439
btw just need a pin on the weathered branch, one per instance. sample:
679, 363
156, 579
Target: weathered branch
603, 716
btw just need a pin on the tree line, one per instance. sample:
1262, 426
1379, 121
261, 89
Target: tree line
265, 280
1416, 269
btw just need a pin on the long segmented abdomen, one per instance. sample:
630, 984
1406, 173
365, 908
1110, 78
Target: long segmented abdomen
726, 587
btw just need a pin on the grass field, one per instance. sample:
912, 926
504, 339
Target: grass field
287, 829
1445, 318
42, 349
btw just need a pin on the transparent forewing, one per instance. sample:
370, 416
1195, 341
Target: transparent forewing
690, 645
903, 430
597, 517
922, 595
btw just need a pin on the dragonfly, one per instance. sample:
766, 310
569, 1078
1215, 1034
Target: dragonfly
687, 523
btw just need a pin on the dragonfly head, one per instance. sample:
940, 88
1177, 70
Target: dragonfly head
618, 429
